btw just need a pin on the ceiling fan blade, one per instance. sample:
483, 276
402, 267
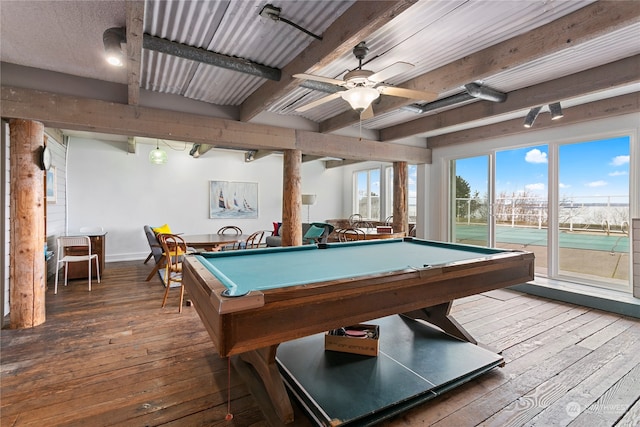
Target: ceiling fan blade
367, 114
390, 71
408, 93
318, 102
319, 79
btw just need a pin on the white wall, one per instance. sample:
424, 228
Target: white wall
122, 192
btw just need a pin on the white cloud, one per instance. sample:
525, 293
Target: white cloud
561, 185
538, 186
619, 160
600, 183
535, 156
618, 173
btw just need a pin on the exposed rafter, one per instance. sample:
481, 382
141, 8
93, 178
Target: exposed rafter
353, 26
572, 30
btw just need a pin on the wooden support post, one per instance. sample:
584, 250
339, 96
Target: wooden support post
27, 272
400, 197
292, 199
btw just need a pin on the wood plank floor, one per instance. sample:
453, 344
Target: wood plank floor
113, 357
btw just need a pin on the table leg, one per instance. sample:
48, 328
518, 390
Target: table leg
439, 315
264, 362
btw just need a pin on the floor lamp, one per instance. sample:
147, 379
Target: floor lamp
308, 200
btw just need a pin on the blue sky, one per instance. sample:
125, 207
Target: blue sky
592, 168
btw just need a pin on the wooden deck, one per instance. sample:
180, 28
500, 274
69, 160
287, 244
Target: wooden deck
114, 357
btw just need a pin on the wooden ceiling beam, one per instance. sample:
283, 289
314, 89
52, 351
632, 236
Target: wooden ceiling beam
318, 144
610, 107
74, 113
135, 30
572, 30
616, 74
356, 24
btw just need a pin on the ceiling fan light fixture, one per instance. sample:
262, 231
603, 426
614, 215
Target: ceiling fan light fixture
360, 97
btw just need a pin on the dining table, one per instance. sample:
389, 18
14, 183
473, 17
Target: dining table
210, 242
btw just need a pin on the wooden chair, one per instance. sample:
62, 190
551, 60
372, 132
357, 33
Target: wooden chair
65, 242
388, 220
354, 218
351, 234
230, 229
252, 242
174, 248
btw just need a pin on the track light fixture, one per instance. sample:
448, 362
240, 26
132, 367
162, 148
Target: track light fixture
531, 116
112, 39
556, 111
195, 151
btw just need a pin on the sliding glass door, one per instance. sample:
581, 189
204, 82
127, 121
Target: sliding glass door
593, 211
568, 203
470, 201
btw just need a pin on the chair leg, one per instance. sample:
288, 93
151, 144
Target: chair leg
181, 297
97, 269
166, 292
55, 289
89, 274
148, 257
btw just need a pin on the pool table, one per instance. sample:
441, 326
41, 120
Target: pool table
250, 301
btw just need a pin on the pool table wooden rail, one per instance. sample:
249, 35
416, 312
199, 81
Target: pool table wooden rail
265, 318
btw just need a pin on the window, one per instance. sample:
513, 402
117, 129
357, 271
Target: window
367, 186
412, 205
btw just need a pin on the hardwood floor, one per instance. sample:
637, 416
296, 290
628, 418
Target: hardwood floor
114, 357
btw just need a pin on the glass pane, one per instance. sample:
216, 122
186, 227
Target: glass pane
413, 194
374, 179
594, 211
521, 208
362, 190
470, 207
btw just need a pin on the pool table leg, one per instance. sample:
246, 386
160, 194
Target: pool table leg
439, 315
264, 362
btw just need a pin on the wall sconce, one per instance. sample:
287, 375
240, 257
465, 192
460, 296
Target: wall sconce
308, 200
556, 111
112, 39
158, 156
531, 116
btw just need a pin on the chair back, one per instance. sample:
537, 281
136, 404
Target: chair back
351, 234
254, 240
154, 244
75, 241
174, 248
318, 233
230, 229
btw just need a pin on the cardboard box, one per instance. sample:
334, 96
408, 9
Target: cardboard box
338, 340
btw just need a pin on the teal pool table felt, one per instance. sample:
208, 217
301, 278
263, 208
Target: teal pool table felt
261, 269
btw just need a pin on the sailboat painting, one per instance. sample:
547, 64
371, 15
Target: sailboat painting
233, 199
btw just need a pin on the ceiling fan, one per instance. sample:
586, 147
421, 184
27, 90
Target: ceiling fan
364, 86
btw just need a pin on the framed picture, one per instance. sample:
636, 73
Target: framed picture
233, 200
51, 185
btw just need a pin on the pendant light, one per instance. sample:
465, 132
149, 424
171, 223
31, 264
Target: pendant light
157, 156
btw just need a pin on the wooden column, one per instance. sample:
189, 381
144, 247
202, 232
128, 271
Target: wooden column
400, 196
292, 199
27, 272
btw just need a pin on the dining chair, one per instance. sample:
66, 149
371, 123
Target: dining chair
354, 218
252, 242
351, 234
388, 220
65, 242
230, 229
174, 248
